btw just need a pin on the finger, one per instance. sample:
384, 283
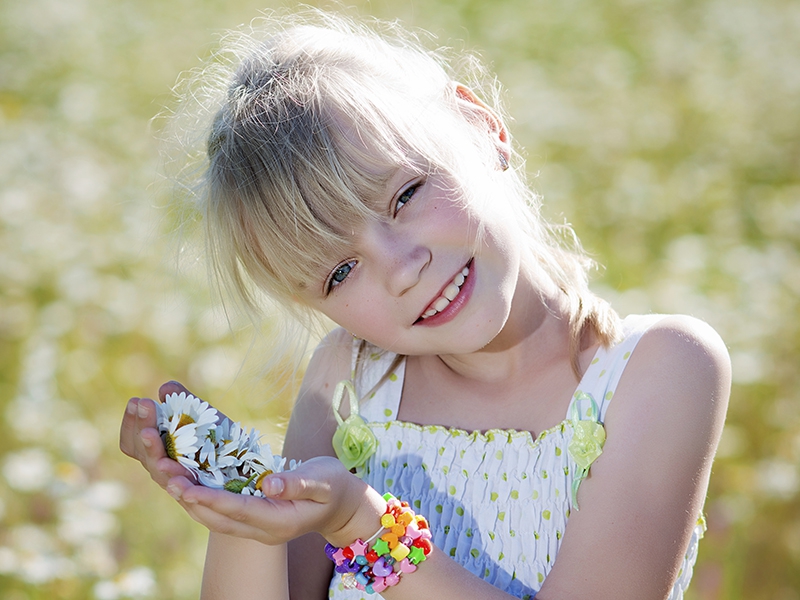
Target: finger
310, 481
175, 387
127, 430
171, 387
146, 413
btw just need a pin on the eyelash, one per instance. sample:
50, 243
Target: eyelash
332, 282
409, 191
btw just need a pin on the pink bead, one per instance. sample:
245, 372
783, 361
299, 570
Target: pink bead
379, 585
413, 531
338, 556
358, 547
425, 534
391, 580
406, 566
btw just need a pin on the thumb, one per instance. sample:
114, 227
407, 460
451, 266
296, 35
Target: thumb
311, 480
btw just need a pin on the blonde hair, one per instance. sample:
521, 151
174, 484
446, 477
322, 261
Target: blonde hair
307, 115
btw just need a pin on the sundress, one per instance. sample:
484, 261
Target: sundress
497, 502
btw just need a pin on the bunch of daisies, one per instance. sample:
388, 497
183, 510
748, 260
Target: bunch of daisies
221, 454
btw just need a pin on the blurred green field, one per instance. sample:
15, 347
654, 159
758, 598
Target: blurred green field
667, 132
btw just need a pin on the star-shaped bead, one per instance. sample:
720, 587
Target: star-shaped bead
381, 547
359, 548
416, 555
339, 556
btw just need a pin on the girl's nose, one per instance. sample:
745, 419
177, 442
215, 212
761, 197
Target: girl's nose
400, 259
407, 269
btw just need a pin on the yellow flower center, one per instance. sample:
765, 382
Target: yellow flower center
184, 420
169, 446
261, 478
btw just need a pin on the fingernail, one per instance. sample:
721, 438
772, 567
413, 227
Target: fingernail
143, 412
274, 486
131, 408
146, 442
174, 491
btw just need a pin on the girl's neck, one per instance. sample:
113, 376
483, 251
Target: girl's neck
535, 335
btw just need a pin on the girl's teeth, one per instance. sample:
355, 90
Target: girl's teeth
449, 294
451, 291
441, 304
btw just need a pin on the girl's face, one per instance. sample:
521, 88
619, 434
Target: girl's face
435, 274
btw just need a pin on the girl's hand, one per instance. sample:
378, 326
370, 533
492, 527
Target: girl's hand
320, 495
139, 437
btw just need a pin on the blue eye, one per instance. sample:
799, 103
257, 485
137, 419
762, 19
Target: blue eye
405, 197
339, 274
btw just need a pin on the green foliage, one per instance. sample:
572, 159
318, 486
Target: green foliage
667, 133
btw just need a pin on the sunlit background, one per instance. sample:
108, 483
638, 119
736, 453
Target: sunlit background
667, 132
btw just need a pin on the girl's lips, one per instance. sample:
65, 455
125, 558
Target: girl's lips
454, 307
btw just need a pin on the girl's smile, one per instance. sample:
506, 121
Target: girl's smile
451, 300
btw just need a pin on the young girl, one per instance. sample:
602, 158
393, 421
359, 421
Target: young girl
553, 449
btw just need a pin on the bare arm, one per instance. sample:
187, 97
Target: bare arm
309, 434
242, 568
646, 490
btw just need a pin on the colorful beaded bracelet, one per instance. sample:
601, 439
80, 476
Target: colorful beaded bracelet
373, 568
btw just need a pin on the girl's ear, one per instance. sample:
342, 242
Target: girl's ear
476, 112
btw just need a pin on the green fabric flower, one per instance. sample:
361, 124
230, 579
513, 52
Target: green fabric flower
587, 443
354, 442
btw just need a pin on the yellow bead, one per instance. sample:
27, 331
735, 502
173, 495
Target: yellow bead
388, 521
405, 518
400, 552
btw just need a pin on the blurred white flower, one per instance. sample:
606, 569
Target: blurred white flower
29, 470
778, 478
8, 560
139, 582
36, 557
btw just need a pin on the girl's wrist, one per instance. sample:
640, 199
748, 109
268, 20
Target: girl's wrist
364, 522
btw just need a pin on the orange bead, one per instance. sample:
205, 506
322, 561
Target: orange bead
391, 539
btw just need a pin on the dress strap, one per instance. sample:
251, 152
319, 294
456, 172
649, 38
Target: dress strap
601, 378
380, 404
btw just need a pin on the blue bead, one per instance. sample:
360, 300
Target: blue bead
362, 560
362, 579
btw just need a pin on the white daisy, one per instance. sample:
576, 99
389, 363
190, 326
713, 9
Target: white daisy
209, 473
192, 410
234, 444
264, 460
181, 442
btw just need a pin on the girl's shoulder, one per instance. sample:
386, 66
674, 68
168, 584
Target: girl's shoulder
679, 373
683, 346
